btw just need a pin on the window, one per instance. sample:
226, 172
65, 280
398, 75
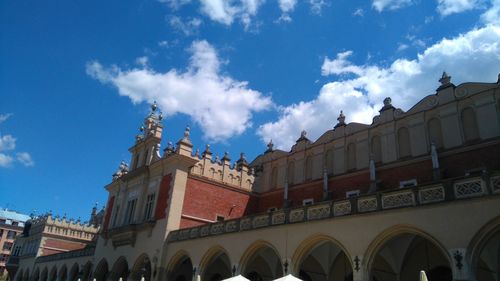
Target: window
376, 149
351, 156
408, 183
219, 218
15, 223
404, 142
4, 258
352, 193
469, 124
115, 217
1, 233
2, 221
129, 213
150, 201
307, 202
435, 135
291, 172
309, 168
7, 246
11, 234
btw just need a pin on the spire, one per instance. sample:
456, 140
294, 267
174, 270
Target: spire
341, 120
184, 145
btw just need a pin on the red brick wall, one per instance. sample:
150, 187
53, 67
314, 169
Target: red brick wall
163, 195
54, 246
206, 200
109, 210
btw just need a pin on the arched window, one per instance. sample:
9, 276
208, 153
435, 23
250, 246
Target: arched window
435, 135
291, 172
351, 156
404, 142
469, 124
329, 161
309, 168
376, 149
274, 177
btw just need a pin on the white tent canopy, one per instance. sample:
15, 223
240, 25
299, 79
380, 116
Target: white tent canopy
288, 277
237, 278
423, 276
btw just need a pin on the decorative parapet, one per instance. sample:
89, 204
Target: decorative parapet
495, 184
401, 198
431, 194
469, 188
221, 171
75, 229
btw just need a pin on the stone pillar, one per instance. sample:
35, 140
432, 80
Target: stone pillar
359, 270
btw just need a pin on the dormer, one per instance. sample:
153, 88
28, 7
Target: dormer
147, 143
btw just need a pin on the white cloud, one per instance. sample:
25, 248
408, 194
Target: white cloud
175, 4
7, 142
473, 56
163, 44
359, 12
25, 159
226, 12
188, 27
492, 15
381, 5
317, 6
4, 117
448, 7
142, 61
402, 47
5, 160
220, 105
286, 7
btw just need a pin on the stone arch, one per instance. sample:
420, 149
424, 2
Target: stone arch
483, 253
141, 268
469, 124
435, 132
215, 264
261, 262
404, 148
86, 271
73, 272
44, 275
36, 274
119, 270
53, 274
376, 148
325, 253
351, 156
63, 273
180, 267
102, 270
395, 254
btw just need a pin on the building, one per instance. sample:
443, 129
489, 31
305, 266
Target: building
11, 225
415, 190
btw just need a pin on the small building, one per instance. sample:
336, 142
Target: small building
11, 225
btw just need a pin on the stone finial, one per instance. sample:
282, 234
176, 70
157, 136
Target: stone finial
187, 132
160, 116
341, 119
226, 157
303, 136
122, 170
169, 149
445, 79
207, 150
270, 146
154, 106
197, 153
217, 159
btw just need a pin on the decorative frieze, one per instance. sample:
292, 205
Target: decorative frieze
469, 188
495, 184
245, 223
398, 199
194, 233
231, 226
217, 228
205, 230
431, 194
318, 212
341, 208
278, 218
260, 221
367, 204
297, 215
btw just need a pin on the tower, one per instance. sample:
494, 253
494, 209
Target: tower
147, 143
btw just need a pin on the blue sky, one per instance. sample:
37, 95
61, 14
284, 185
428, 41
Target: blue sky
76, 77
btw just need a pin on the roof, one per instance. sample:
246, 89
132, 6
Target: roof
12, 215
